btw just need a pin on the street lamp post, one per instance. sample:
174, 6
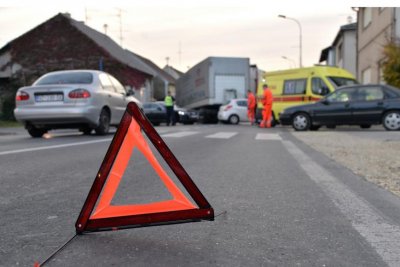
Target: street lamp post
298, 23
291, 61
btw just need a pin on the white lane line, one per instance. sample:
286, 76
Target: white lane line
268, 136
383, 236
53, 147
222, 135
179, 134
162, 131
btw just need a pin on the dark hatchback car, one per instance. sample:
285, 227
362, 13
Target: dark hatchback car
156, 113
362, 105
183, 115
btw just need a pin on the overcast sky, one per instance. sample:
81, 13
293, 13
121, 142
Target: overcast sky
188, 31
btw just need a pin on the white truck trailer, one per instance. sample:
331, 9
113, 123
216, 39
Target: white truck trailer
212, 83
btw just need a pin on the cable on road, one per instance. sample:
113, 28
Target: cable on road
54, 253
221, 213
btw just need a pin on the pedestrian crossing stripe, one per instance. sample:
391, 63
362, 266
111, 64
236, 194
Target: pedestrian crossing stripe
179, 134
268, 136
222, 135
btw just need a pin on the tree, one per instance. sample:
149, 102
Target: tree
391, 66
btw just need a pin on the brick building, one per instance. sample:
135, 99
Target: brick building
62, 43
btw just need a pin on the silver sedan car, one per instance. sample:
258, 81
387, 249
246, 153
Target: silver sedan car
83, 99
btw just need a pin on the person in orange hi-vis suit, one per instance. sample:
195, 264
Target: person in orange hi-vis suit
266, 100
251, 105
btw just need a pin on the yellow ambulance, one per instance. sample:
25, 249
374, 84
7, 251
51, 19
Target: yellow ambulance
301, 86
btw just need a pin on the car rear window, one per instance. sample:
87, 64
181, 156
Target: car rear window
242, 103
392, 92
66, 78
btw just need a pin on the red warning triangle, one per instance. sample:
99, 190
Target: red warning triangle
105, 216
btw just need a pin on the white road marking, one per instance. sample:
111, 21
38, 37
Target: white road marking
162, 130
268, 136
53, 147
179, 134
383, 236
222, 135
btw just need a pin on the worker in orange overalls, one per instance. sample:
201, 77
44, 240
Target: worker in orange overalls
251, 106
266, 100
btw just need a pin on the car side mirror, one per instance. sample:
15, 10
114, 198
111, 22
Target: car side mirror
159, 109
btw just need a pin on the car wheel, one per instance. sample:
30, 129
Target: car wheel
391, 121
301, 122
104, 123
365, 126
234, 119
35, 132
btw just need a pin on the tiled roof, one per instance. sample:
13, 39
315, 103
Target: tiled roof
111, 47
164, 75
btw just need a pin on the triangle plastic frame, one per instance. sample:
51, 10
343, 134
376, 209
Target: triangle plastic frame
87, 222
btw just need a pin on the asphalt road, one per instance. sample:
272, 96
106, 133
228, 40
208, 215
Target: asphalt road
280, 203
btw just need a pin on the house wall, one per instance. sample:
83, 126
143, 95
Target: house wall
397, 22
342, 52
372, 38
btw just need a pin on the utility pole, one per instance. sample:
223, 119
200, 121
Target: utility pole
180, 53
120, 26
105, 28
86, 16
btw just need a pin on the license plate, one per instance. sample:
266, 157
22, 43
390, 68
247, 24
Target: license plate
49, 98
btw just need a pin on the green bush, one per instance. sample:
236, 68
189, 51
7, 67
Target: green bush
7, 107
7, 98
391, 66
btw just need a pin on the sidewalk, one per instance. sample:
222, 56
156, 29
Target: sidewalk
12, 130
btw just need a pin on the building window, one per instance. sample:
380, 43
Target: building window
340, 52
366, 76
367, 17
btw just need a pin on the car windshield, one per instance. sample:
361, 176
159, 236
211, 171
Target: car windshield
340, 81
66, 78
342, 95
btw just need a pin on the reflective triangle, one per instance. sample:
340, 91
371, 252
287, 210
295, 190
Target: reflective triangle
105, 216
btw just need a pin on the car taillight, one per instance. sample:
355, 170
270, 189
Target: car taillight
79, 93
22, 96
228, 107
